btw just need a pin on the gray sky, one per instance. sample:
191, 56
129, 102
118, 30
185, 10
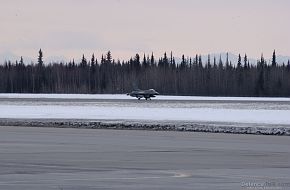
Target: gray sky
73, 27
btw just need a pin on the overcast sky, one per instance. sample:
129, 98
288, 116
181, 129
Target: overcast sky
126, 27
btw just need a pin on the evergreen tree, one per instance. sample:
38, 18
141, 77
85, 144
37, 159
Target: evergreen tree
274, 63
239, 62
145, 63
208, 60
152, 60
83, 61
245, 61
109, 57
227, 60
93, 60
214, 62
199, 62
165, 59
137, 63
21, 61
196, 60
40, 58
220, 63
183, 62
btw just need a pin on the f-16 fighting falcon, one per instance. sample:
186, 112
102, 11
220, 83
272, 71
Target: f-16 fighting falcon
147, 94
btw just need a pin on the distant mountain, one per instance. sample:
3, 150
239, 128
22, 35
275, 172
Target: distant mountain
58, 59
9, 56
282, 59
233, 58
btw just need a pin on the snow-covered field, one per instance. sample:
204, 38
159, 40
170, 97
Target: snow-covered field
133, 113
274, 111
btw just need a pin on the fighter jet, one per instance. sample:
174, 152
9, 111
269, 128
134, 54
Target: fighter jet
147, 94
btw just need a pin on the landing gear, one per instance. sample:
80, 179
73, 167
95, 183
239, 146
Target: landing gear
139, 98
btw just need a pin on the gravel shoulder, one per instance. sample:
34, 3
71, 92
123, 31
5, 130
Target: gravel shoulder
183, 126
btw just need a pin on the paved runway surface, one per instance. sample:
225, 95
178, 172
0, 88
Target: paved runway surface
50, 158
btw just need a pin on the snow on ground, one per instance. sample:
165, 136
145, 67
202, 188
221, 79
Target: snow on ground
133, 113
274, 111
125, 97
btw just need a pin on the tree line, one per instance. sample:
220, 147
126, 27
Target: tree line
191, 76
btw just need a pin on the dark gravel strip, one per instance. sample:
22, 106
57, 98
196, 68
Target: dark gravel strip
254, 129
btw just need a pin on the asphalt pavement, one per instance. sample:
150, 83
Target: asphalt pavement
85, 159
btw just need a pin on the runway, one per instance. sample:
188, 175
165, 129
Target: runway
238, 111
55, 158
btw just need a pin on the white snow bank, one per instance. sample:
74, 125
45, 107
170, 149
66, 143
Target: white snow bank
125, 97
134, 113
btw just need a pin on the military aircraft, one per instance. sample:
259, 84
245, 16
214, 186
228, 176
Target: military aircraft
147, 94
